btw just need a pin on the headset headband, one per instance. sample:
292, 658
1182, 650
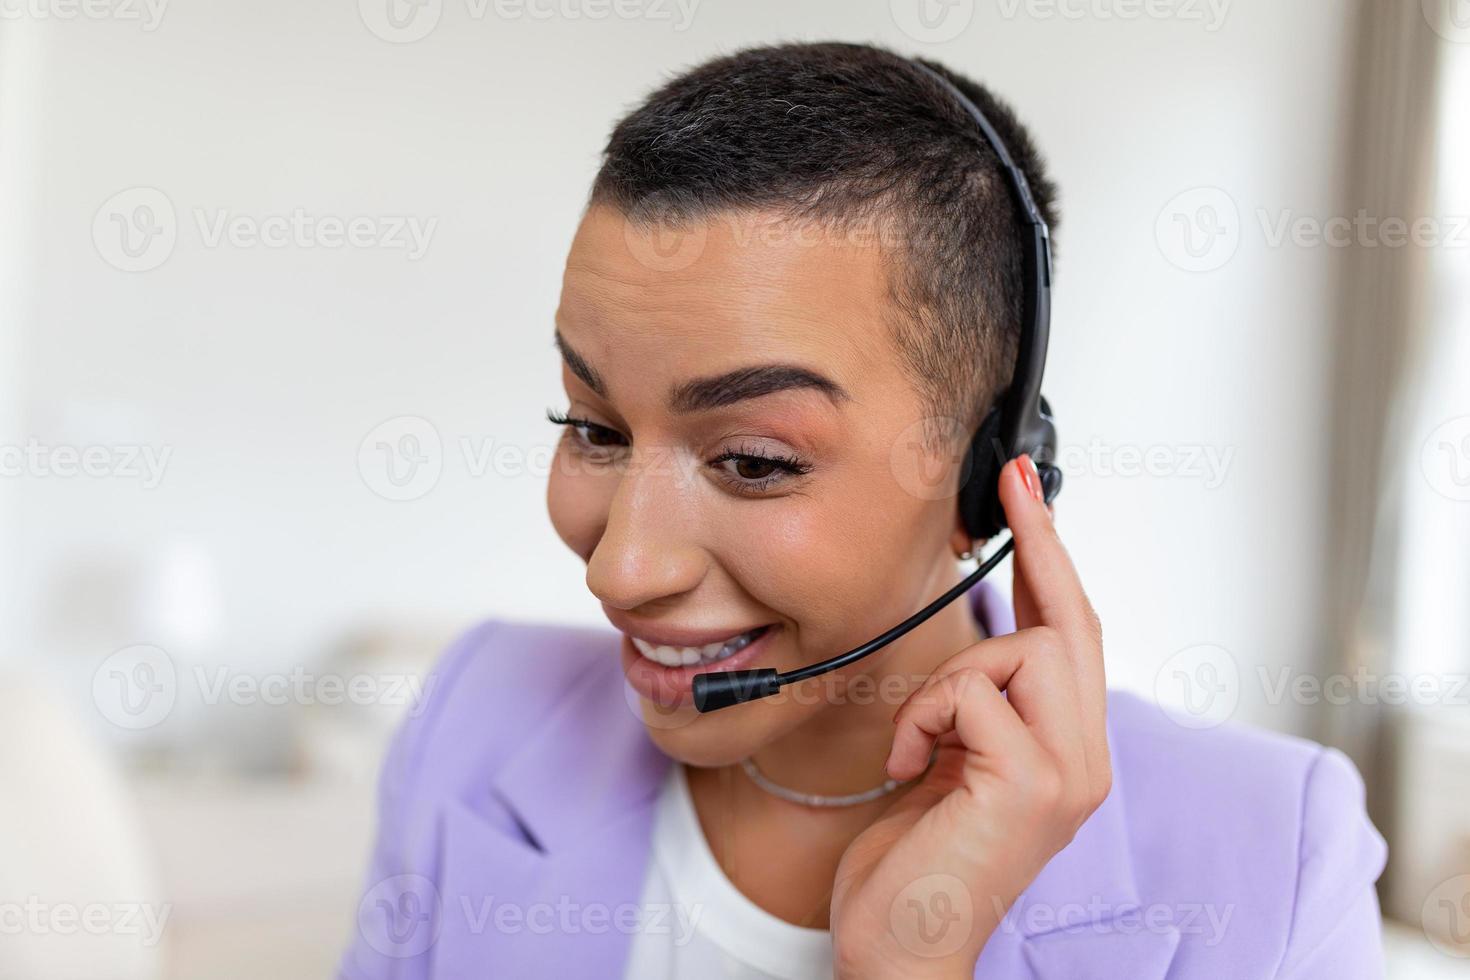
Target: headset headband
1024, 424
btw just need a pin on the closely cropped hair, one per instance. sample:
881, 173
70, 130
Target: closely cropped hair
854, 136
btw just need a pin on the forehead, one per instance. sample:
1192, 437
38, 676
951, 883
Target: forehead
725, 292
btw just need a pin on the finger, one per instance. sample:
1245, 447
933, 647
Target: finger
969, 704
1047, 589
1044, 570
1037, 674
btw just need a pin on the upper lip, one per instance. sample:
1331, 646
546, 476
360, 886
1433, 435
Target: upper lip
668, 635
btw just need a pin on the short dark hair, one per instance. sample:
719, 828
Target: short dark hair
845, 134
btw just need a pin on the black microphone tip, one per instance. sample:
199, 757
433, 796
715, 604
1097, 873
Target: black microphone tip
720, 689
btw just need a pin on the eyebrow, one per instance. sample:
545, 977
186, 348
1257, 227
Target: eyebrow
721, 390
580, 367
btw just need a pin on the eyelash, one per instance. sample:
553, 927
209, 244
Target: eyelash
788, 466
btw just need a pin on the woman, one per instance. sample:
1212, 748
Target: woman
795, 292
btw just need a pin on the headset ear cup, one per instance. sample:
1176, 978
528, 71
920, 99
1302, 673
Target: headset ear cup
979, 499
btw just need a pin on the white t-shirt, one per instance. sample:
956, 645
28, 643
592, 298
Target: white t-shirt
709, 928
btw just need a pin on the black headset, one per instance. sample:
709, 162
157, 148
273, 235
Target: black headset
1021, 423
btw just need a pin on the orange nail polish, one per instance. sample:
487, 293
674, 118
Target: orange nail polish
1029, 475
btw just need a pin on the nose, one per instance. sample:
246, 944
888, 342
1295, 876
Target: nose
649, 549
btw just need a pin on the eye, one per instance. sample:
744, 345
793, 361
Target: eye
588, 433
753, 472
753, 468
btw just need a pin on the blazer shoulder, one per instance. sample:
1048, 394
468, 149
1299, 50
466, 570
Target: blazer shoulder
1147, 734
507, 661
1212, 765
1244, 810
499, 680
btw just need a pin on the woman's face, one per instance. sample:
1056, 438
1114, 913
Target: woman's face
746, 455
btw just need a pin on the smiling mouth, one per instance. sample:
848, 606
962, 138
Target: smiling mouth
710, 653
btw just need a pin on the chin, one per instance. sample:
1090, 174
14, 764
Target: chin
721, 738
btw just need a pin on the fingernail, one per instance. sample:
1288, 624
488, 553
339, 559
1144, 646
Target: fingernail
1030, 476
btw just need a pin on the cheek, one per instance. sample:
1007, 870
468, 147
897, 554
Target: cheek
855, 565
782, 554
577, 501
828, 562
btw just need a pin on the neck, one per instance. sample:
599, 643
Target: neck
841, 750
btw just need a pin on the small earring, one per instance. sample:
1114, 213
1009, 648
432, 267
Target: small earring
969, 552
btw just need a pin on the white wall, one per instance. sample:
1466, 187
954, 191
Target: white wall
264, 369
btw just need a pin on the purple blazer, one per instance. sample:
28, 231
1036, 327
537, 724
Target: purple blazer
516, 804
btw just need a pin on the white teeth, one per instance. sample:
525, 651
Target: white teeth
690, 656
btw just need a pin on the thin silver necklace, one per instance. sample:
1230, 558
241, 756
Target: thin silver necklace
817, 799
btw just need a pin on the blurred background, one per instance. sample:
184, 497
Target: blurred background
276, 286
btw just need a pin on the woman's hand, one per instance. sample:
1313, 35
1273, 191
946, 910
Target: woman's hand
921, 890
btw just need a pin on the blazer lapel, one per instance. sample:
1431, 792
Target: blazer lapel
1082, 918
542, 876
